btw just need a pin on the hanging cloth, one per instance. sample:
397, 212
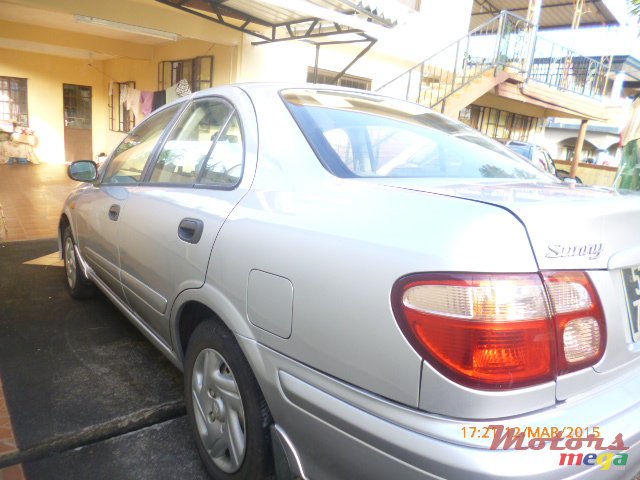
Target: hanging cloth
134, 104
182, 88
146, 100
172, 94
124, 90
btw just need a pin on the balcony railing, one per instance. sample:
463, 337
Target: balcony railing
564, 69
507, 42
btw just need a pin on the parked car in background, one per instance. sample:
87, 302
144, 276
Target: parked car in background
539, 156
360, 287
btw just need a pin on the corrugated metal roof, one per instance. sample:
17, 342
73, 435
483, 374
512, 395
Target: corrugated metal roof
387, 12
278, 20
555, 13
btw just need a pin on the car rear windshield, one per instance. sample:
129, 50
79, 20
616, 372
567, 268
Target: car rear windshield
366, 135
523, 150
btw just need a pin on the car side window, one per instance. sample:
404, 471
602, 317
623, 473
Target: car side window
551, 167
191, 142
132, 154
541, 160
224, 166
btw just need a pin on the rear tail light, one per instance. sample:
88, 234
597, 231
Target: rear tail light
496, 331
578, 317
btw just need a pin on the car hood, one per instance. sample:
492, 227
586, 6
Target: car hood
569, 226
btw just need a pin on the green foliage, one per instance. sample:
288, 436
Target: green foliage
634, 8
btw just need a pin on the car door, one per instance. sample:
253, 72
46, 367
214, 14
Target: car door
98, 208
173, 217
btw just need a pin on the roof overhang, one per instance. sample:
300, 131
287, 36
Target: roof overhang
280, 20
626, 64
555, 13
556, 103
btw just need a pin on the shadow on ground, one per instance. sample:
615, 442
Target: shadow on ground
77, 374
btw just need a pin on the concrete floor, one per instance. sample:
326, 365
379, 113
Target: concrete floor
31, 197
81, 399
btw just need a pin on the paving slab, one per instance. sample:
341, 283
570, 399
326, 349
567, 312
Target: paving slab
163, 451
73, 371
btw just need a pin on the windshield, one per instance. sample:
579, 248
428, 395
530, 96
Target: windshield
524, 150
369, 136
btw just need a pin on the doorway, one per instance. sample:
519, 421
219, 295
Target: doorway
78, 143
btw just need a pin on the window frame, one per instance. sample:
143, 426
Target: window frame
344, 78
145, 179
26, 100
154, 151
123, 111
74, 101
193, 84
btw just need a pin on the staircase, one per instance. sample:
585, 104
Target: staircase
503, 48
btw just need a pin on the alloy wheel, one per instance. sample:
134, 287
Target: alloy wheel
70, 262
219, 413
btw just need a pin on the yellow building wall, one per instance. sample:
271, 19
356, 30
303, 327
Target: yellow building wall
224, 56
145, 72
46, 74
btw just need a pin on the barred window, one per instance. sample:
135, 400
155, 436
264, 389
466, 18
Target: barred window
197, 71
500, 124
121, 119
13, 100
327, 76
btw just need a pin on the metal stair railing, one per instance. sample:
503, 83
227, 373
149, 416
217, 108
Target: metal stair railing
506, 42
565, 69
497, 42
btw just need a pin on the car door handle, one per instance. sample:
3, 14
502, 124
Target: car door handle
190, 230
114, 212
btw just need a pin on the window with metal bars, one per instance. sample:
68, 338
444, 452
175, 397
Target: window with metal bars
327, 76
499, 123
121, 119
13, 100
197, 71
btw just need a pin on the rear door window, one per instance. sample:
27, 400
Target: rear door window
205, 147
131, 156
191, 142
224, 165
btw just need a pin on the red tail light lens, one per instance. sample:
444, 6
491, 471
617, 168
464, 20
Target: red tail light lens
497, 331
579, 319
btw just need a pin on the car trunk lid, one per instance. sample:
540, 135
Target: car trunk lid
572, 227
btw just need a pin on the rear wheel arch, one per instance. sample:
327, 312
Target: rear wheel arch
191, 315
62, 225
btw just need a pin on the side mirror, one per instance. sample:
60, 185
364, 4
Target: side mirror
83, 171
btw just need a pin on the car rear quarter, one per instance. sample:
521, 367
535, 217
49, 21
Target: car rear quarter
395, 319
323, 328
409, 226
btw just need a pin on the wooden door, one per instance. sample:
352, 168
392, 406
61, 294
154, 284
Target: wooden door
78, 143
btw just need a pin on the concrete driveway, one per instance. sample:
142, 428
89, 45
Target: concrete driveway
87, 395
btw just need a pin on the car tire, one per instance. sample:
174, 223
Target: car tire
227, 412
80, 287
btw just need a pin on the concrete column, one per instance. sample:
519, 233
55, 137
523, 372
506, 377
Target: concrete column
533, 12
577, 153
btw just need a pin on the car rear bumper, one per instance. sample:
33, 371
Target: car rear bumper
339, 431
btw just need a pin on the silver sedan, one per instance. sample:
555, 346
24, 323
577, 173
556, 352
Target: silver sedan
358, 287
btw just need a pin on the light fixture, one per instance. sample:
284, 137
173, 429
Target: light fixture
125, 27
